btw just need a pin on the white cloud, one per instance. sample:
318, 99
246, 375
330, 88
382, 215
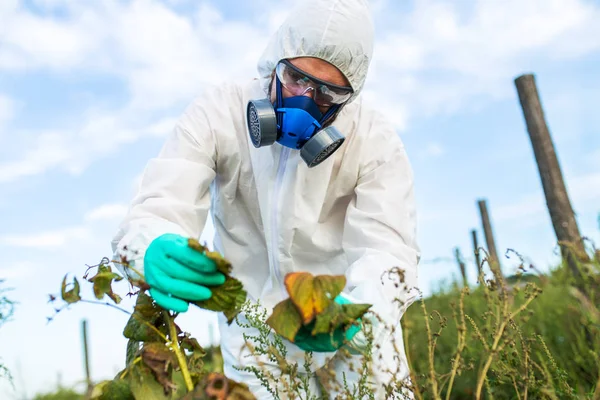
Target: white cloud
50, 150
107, 212
166, 59
163, 57
19, 270
454, 54
47, 240
73, 151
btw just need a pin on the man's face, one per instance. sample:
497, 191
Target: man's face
319, 69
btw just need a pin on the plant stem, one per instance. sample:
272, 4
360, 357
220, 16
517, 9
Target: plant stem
462, 332
124, 374
431, 348
494, 348
413, 378
105, 304
178, 353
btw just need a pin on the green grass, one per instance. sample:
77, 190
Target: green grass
549, 350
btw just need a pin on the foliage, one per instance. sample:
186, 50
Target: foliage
162, 361
61, 393
7, 308
523, 337
312, 299
536, 337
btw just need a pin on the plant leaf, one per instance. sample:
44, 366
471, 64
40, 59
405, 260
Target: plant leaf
285, 320
159, 358
133, 350
112, 390
72, 295
228, 297
145, 315
103, 283
216, 386
222, 264
312, 295
144, 385
336, 316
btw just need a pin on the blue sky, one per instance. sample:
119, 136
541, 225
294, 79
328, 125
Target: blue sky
88, 91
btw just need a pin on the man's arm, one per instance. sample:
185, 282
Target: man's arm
173, 196
380, 230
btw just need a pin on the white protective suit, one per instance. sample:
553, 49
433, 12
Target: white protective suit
354, 214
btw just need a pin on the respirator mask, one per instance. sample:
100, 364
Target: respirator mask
296, 122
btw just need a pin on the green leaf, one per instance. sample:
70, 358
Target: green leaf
146, 307
132, 352
285, 320
336, 316
312, 295
146, 315
227, 298
103, 283
112, 390
72, 295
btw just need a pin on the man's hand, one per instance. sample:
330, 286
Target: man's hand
326, 342
177, 273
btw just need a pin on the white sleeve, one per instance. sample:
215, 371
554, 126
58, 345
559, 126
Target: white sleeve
380, 230
173, 196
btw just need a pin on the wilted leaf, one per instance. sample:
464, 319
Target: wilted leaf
146, 307
72, 295
312, 295
285, 319
337, 315
195, 360
103, 283
217, 386
227, 298
112, 390
144, 385
160, 360
191, 344
146, 315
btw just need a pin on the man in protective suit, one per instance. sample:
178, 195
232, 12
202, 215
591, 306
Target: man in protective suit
300, 175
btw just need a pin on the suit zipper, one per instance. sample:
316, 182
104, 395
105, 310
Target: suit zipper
275, 207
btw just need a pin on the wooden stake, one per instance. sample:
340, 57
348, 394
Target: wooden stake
476, 251
489, 235
86, 359
557, 198
461, 266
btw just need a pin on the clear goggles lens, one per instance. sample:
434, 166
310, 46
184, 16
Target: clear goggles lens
299, 83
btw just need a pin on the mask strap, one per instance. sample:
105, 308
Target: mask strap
278, 100
332, 110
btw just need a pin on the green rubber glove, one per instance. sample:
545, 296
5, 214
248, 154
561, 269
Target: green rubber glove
177, 273
325, 342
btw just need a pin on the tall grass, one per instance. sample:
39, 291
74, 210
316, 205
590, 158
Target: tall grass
530, 337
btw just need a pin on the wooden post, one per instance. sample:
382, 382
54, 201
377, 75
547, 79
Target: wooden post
476, 251
489, 235
461, 266
86, 359
557, 198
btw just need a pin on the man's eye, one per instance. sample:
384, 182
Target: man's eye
296, 77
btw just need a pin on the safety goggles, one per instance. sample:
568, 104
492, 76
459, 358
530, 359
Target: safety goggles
299, 83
